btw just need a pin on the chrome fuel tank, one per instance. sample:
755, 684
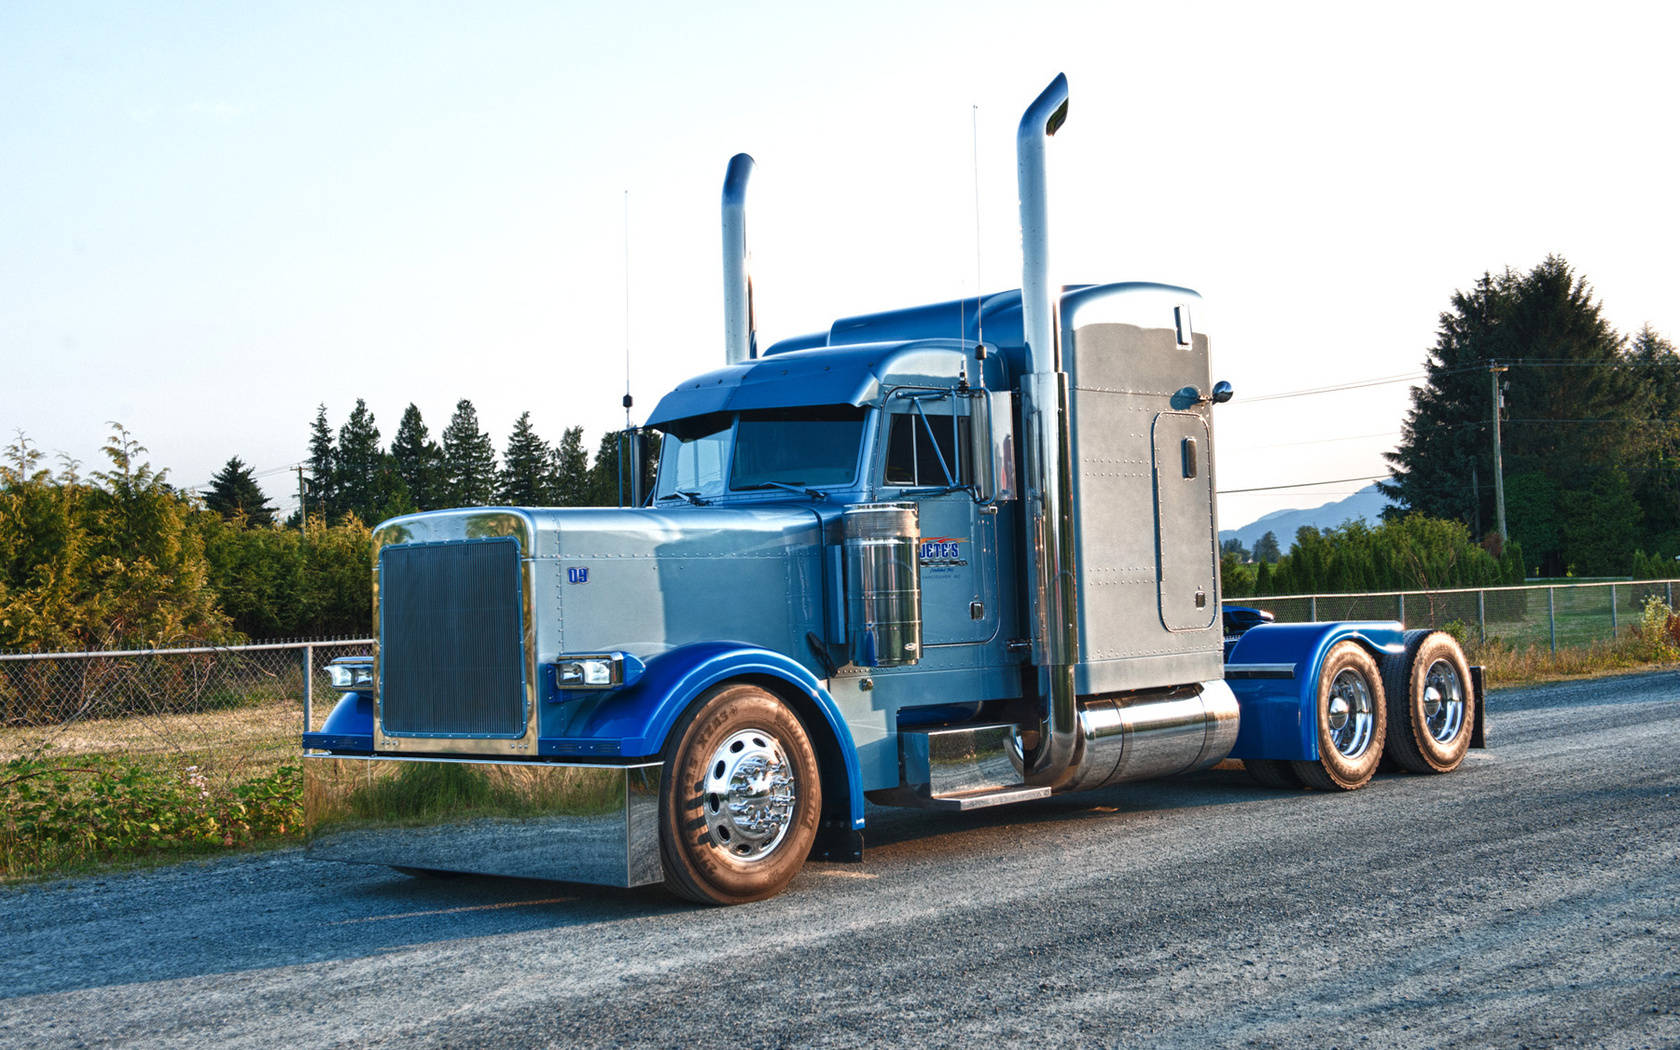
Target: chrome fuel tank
1139, 738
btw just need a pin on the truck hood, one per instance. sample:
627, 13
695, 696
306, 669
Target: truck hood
646, 581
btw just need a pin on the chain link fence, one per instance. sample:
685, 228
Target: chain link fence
232, 712
238, 710
1546, 615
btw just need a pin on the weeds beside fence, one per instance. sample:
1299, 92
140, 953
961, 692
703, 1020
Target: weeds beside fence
113, 754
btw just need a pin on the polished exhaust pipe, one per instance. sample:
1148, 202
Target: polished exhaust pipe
740, 341
1047, 456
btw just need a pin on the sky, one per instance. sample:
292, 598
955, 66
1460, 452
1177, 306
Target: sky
214, 218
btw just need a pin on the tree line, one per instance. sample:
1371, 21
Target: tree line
349, 473
1589, 425
120, 558
1412, 552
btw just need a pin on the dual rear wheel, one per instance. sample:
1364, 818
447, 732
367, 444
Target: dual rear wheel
1416, 707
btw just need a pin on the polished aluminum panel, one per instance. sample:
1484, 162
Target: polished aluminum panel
883, 584
1148, 597
576, 823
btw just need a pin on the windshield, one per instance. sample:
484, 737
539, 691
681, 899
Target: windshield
766, 449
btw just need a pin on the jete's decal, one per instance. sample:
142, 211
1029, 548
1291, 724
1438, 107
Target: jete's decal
941, 550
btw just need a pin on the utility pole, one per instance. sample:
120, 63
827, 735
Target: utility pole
303, 508
1494, 369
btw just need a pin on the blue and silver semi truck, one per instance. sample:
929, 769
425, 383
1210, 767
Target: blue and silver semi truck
952, 556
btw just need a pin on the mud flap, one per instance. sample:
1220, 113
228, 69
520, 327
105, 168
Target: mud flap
1478, 732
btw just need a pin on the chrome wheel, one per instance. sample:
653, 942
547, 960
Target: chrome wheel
1443, 701
749, 795
1351, 713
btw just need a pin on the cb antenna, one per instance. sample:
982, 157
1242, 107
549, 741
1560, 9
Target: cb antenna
628, 400
979, 278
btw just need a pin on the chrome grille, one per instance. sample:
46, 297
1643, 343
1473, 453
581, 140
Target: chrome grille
451, 639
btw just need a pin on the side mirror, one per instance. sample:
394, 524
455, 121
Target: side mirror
1222, 393
992, 445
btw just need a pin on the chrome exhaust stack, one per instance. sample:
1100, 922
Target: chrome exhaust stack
1047, 457
740, 342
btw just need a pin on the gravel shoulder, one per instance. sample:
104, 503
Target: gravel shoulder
1529, 899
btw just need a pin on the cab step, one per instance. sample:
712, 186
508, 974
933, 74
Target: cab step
958, 768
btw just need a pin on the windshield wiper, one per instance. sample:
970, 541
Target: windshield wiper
692, 497
789, 486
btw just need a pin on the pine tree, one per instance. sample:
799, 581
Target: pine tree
527, 477
1266, 549
234, 491
606, 486
1572, 405
321, 491
468, 465
1656, 480
357, 463
417, 460
571, 470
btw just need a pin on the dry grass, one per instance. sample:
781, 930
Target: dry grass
242, 741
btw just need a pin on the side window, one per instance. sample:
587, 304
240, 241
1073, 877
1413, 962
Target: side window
926, 450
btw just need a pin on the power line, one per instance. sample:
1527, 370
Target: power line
1302, 485
1358, 384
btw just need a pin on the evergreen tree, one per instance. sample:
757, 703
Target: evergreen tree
321, 490
468, 464
527, 478
1266, 549
417, 461
1656, 478
571, 470
1572, 404
603, 489
234, 491
606, 487
357, 464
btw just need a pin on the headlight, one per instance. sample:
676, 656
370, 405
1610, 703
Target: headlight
351, 672
590, 672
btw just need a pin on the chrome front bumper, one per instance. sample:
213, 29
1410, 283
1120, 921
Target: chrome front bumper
537, 820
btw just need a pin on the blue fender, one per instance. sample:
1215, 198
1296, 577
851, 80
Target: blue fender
638, 718
1273, 670
348, 729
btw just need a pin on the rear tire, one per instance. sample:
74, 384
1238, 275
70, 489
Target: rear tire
1272, 773
1431, 705
740, 798
1352, 721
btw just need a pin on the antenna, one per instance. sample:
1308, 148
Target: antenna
979, 278
628, 400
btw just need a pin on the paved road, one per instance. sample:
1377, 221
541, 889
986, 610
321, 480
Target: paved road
1529, 899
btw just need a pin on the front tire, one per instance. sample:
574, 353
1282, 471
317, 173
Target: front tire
1352, 721
740, 799
1431, 706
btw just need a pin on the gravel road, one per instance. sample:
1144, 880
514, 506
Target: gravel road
1528, 900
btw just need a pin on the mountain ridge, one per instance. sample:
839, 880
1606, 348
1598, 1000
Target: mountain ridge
1365, 505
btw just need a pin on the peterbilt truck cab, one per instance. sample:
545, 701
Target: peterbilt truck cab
953, 556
